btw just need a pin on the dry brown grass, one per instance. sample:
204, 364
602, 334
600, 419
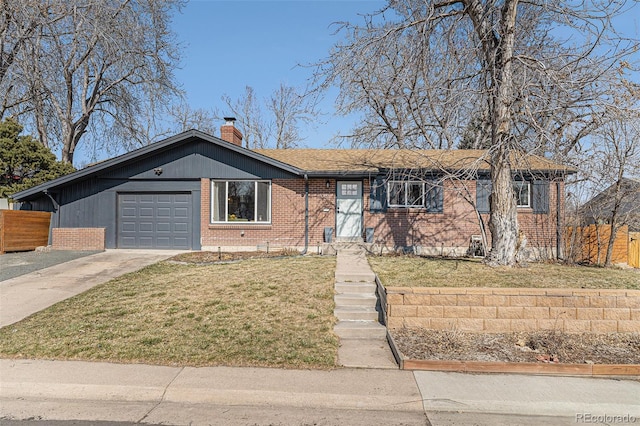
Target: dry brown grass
416, 271
258, 312
538, 346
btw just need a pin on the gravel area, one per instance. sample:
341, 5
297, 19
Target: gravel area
15, 264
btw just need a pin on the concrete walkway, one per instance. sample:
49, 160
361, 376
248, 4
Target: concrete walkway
27, 294
363, 340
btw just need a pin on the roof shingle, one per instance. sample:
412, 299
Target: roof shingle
362, 160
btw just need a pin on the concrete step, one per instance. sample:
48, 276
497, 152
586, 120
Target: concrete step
355, 299
351, 287
366, 353
356, 313
346, 243
360, 330
355, 276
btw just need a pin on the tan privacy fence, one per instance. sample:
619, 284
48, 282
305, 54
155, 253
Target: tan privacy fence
634, 249
588, 244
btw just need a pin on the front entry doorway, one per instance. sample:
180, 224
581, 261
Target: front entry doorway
349, 210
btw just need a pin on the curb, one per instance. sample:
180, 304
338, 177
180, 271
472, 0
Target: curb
591, 370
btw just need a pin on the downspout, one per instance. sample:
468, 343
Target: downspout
56, 206
558, 224
306, 214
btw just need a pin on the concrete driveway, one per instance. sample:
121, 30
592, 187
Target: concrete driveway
15, 264
26, 294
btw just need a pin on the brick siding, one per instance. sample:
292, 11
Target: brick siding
447, 233
287, 217
509, 310
78, 238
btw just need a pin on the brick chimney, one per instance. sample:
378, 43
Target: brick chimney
229, 132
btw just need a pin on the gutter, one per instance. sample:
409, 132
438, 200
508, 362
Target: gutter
306, 214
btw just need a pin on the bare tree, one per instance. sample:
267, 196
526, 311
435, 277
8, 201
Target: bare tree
421, 70
95, 68
290, 111
248, 111
186, 118
19, 22
614, 158
279, 127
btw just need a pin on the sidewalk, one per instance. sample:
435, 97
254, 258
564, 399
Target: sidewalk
74, 390
512, 396
46, 389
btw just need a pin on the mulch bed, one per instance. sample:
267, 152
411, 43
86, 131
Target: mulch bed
541, 346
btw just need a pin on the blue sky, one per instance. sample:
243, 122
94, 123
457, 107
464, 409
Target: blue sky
261, 43
227, 45
232, 44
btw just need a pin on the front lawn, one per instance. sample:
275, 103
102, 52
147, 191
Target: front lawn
416, 271
257, 312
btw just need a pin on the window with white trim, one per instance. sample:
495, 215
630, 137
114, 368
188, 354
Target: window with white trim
241, 201
522, 190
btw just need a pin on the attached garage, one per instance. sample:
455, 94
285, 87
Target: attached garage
159, 196
155, 221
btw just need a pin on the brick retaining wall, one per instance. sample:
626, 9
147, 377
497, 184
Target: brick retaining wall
78, 238
496, 310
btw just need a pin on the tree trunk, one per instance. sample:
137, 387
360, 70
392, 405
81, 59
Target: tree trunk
612, 239
498, 51
67, 154
503, 221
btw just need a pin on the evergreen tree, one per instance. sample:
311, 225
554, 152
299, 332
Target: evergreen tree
25, 162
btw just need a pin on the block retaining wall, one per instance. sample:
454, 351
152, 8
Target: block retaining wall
78, 238
496, 310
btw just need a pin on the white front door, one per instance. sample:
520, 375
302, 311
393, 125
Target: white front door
349, 210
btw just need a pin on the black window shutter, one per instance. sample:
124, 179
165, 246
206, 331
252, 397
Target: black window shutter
540, 196
434, 199
483, 190
378, 195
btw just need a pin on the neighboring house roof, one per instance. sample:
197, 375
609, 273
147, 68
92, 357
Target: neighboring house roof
372, 160
600, 207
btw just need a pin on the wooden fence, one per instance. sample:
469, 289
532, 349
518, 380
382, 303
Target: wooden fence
588, 244
634, 249
22, 230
